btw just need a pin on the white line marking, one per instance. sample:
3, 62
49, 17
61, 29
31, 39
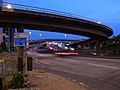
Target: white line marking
96, 58
104, 66
68, 60
37, 62
73, 80
81, 83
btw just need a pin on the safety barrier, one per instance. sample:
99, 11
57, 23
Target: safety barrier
13, 6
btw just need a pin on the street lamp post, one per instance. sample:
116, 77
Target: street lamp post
20, 52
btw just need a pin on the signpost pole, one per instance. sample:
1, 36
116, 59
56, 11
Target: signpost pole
20, 52
20, 41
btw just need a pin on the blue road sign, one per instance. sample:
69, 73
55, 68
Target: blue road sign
20, 39
20, 42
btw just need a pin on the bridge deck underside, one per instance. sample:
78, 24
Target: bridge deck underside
53, 23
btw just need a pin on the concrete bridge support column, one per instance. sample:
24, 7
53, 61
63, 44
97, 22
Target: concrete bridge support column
11, 39
10, 33
97, 47
91, 47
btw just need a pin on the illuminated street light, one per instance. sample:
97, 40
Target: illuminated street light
65, 35
40, 34
9, 7
30, 33
99, 22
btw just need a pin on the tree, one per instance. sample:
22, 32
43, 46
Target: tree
112, 45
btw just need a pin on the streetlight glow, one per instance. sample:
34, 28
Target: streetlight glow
65, 35
30, 33
40, 34
99, 22
9, 6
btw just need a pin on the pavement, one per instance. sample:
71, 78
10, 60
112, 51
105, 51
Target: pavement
49, 81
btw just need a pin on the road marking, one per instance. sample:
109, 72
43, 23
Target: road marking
81, 83
98, 58
37, 62
73, 80
103, 66
68, 60
69, 78
43, 66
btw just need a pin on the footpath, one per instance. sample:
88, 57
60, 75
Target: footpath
49, 81
42, 80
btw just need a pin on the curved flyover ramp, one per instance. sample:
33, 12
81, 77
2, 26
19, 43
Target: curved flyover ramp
50, 20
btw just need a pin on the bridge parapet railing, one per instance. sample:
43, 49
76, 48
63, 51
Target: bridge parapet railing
49, 11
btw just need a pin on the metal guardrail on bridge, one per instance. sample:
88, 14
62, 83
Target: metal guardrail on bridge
49, 11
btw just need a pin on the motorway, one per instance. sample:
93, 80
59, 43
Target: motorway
98, 73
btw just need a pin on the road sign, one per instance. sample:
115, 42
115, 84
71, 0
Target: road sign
20, 39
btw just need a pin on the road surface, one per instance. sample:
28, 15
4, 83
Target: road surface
98, 73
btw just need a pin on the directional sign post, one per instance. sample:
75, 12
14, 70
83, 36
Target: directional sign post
20, 39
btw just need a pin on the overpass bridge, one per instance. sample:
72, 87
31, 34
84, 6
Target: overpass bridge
27, 17
23, 17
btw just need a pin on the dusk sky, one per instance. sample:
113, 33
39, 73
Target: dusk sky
107, 11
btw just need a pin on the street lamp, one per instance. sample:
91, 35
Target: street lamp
30, 33
99, 22
40, 34
9, 6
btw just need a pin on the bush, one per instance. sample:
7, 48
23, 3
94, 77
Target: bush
18, 81
3, 47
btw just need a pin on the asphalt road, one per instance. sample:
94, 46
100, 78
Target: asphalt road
98, 73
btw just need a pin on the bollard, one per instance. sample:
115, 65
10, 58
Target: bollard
1, 79
1, 83
29, 63
20, 63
